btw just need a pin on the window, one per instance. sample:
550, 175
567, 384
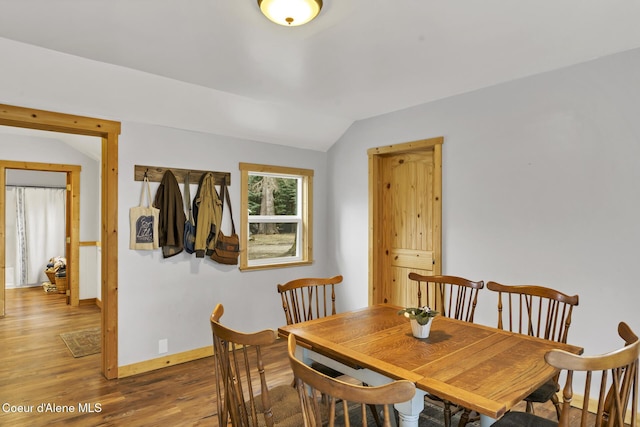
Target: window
276, 207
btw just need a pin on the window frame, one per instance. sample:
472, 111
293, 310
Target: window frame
305, 204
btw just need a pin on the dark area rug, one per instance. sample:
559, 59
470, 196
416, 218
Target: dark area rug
82, 343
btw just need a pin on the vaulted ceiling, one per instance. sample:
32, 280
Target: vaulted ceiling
358, 59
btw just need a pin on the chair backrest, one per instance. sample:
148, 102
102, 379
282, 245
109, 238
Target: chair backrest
629, 337
451, 296
614, 375
626, 333
319, 394
534, 310
308, 298
241, 387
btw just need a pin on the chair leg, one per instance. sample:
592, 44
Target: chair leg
376, 416
464, 418
374, 411
556, 403
447, 413
529, 408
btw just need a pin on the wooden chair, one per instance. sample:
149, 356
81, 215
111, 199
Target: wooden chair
453, 297
537, 311
308, 298
318, 412
629, 337
613, 375
241, 386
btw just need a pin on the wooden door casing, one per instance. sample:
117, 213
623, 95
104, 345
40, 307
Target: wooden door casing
108, 131
405, 218
72, 222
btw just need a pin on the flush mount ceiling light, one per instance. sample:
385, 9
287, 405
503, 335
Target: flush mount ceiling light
290, 13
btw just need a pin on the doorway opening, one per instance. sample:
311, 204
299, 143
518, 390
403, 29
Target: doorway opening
108, 131
48, 205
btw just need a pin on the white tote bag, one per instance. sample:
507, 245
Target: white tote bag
144, 222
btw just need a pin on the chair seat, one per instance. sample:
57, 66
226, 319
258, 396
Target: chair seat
295, 420
330, 372
523, 419
285, 406
544, 392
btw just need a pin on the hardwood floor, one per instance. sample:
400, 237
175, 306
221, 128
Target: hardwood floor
37, 368
37, 372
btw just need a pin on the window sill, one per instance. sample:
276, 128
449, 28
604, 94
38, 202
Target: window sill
279, 265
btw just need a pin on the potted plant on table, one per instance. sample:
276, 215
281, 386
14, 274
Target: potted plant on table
420, 320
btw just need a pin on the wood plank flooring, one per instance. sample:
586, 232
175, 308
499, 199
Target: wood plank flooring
37, 368
37, 371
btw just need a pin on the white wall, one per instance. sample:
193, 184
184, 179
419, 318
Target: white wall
541, 185
172, 298
90, 277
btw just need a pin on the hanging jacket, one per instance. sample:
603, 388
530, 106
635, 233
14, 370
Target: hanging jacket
171, 218
208, 210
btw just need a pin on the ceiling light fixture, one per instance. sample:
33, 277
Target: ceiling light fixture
290, 13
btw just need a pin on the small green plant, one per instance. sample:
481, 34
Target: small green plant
422, 315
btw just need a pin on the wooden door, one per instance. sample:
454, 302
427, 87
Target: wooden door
405, 186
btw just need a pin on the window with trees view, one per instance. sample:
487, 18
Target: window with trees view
276, 216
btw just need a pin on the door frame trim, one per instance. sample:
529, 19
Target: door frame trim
109, 131
375, 159
72, 222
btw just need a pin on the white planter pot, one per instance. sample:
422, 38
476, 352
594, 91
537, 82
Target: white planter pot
420, 331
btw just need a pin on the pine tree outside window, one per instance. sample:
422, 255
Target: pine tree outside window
276, 206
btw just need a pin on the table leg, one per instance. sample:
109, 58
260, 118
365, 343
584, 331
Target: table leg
486, 421
408, 420
409, 412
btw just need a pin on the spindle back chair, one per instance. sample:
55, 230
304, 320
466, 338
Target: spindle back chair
613, 376
242, 393
308, 298
451, 296
319, 396
454, 297
537, 311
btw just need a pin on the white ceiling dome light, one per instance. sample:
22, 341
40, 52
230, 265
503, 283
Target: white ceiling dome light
290, 13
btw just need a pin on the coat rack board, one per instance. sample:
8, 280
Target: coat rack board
155, 173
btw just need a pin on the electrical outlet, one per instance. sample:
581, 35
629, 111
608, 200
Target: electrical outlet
163, 346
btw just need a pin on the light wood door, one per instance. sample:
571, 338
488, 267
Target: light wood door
405, 218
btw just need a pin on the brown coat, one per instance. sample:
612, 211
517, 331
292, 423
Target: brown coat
171, 218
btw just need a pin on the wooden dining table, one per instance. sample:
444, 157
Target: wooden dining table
485, 369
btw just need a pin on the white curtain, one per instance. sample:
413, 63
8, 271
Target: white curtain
35, 232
